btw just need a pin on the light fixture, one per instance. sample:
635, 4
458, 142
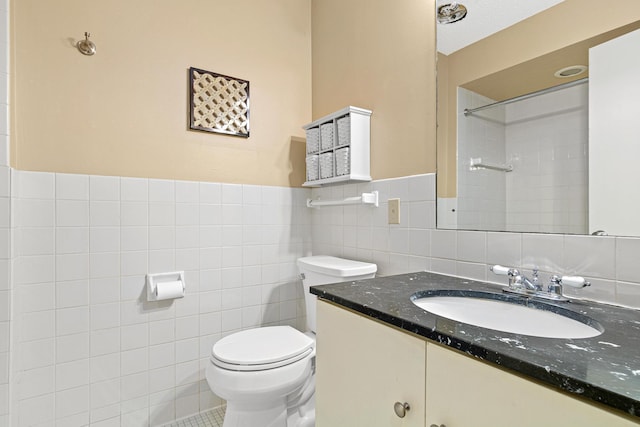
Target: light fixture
86, 46
570, 71
450, 13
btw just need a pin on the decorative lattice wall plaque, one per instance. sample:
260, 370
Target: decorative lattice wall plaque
219, 103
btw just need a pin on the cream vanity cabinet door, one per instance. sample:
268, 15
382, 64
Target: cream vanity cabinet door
463, 392
363, 368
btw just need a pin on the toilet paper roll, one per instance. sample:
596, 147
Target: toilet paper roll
169, 290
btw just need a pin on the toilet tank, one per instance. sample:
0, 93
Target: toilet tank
319, 270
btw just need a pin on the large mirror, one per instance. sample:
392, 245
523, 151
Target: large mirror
538, 124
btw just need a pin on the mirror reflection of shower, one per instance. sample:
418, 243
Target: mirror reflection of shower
536, 147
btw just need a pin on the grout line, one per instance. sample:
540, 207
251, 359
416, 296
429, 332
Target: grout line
212, 418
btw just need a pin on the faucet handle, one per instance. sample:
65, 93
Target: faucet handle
555, 280
574, 281
514, 275
500, 270
555, 285
504, 271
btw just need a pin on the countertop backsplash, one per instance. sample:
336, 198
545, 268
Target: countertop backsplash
363, 233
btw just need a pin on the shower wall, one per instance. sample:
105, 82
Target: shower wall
482, 203
545, 140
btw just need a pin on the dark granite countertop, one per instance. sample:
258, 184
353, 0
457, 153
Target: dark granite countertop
605, 368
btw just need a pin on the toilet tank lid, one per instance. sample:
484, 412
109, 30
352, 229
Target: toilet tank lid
337, 267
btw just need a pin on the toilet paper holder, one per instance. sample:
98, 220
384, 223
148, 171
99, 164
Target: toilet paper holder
163, 286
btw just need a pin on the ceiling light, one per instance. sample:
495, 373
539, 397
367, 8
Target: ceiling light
571, 71
450, 13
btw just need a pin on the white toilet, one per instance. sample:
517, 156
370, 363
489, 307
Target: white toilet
266, 375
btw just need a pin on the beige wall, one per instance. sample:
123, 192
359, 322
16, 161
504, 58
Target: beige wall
124, 110
379, 54
563, 25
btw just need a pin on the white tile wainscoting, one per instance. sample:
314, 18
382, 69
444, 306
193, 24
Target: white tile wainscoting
87, 349
362, 232
5, 225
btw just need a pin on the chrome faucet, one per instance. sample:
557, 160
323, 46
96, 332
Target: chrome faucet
520, 284
518, 281
530, 285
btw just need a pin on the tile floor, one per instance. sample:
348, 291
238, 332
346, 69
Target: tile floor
212, 418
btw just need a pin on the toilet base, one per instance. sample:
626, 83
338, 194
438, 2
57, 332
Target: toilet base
282, 413
303, 416
273, 414
255, 416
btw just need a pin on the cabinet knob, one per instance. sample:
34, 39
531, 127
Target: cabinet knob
401, 409
436, 425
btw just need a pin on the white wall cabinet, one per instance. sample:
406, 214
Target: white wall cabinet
338, 147
364, 367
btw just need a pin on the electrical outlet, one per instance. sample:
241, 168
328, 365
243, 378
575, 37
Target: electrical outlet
394, 211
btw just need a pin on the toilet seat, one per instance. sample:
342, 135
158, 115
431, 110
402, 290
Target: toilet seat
261, 349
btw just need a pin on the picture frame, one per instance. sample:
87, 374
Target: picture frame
218, 103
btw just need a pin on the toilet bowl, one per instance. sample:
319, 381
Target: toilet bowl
266, 374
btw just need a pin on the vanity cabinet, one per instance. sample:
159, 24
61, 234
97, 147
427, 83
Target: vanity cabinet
465, 392
364, 367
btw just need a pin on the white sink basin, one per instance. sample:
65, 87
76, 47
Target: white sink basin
508, 317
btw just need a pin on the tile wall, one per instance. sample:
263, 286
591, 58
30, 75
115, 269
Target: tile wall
547, 143
545, 140
362, 232
482, 195
5, 225
90, 348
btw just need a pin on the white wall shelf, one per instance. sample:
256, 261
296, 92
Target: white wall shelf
338, 147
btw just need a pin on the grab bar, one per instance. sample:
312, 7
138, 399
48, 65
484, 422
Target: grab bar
476, 163
365, 199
